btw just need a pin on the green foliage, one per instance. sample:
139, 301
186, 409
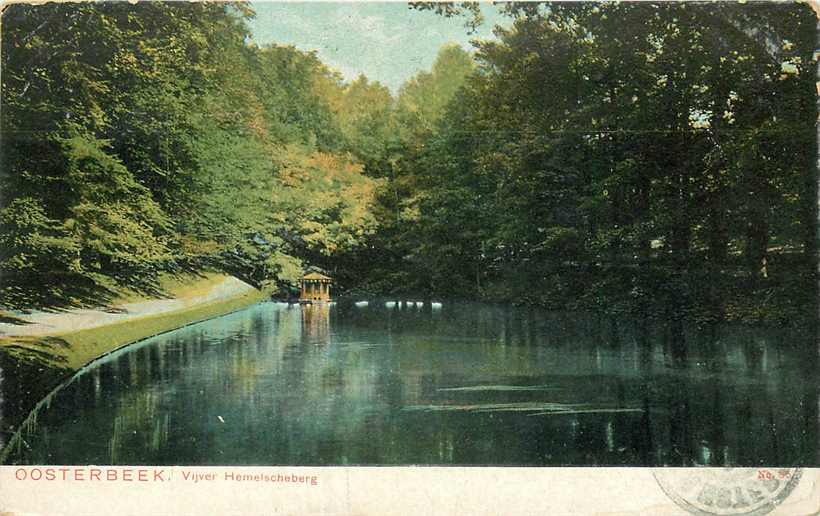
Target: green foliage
630, 157
424, 98
644, 157
110, 232
367, 125
470, 10
31, 242
113, 217
146, 138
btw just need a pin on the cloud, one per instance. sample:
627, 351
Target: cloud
387, 42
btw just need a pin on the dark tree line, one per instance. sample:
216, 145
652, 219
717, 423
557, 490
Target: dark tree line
643, 157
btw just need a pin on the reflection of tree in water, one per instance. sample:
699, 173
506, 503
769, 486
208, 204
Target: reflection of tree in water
462, 384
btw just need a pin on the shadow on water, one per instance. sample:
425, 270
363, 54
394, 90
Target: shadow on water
455, 383
29, 371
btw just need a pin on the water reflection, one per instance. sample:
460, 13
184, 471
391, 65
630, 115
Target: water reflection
315, 322
457, 384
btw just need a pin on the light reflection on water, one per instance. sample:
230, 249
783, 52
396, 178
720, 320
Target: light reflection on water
454, 384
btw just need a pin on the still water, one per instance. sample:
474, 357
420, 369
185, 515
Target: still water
452, 384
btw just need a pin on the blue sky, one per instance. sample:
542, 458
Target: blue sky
386, 41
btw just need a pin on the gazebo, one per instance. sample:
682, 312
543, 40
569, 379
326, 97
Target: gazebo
315, 288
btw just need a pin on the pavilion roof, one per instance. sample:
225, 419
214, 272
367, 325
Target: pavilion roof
315, 276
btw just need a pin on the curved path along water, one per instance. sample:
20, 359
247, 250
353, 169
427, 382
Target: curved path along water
41, 323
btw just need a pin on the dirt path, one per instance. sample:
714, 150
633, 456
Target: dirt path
55, 323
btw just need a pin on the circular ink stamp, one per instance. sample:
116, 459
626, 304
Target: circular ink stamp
728, 491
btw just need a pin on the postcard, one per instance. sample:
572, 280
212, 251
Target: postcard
372, 258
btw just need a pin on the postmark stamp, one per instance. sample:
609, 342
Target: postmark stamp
728, 491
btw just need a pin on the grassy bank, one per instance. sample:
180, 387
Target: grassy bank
32, 366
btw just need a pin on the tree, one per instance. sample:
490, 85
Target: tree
146, 138
630, 155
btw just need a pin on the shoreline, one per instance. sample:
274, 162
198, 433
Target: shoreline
33, 367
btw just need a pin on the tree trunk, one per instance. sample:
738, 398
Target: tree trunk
757, 241
718, 236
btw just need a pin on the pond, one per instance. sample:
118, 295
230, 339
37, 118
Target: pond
452, 383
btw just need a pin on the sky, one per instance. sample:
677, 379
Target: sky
386, 41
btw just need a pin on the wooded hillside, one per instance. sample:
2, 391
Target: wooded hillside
630, 157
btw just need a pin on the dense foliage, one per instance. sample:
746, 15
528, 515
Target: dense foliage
652, 158
146, 138
656, 158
